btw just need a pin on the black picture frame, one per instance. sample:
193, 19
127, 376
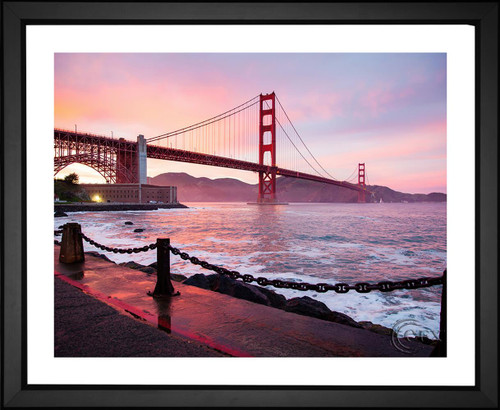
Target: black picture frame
17, 15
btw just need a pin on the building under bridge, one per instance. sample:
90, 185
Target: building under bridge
131, 193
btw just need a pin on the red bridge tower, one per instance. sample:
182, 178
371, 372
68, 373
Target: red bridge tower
361, 183
267, 148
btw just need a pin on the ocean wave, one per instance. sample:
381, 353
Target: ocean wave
330, 243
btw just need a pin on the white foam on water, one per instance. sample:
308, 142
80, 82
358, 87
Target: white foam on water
326, 243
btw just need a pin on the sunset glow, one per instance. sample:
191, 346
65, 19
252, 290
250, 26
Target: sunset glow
386, 110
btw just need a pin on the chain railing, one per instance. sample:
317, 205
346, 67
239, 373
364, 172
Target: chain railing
361, 287
145, 248
72, 251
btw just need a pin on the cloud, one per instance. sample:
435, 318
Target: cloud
390, 157
418, 182
382, 109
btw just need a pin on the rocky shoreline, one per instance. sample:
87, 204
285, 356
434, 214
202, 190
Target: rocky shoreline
60, 209
304, 305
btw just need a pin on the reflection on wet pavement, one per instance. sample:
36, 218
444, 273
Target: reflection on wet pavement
231, 325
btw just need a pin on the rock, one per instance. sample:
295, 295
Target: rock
198, 280
250, 293
129, 223
58, 214
231, 287
343, 319
309, 307
174, 276
381, 330
303, 306
428, 341
275, 299
139, 230
132, 265
212, 280
151, 269
99, 255
240, 290
147, 269
177, 277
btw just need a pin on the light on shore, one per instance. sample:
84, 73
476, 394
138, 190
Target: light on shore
97, 198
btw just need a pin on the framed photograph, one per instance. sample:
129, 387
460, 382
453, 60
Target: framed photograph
403, 95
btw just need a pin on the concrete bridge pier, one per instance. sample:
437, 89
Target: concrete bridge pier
142, 172
142, 153
131, 162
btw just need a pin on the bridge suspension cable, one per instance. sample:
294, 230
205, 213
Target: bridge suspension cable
353, 176
200, 124
235, 135
244, 137
305, 159
301, 140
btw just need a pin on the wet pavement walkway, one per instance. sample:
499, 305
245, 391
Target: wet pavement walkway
220, 322
87, 327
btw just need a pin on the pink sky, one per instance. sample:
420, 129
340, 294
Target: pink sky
386, 110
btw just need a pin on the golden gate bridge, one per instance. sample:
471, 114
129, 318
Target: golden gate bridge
256, 136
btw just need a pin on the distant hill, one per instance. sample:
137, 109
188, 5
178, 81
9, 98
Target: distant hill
389, 195
192, 189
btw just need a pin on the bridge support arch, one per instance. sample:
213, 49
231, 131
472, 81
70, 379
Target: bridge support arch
117, 160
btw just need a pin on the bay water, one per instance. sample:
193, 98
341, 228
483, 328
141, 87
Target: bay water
301, 242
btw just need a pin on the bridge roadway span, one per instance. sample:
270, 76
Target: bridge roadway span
232, 326
92, 156
172, 154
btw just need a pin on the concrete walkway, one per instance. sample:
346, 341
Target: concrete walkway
232, 326
86, 327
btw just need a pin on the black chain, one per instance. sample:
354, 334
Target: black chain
362, 287
118, 250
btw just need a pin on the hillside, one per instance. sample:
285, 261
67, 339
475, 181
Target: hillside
389, 195
191, 189
66, 191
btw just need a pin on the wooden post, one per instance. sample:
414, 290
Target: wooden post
440, 349
71, 244
164, 285
443, 321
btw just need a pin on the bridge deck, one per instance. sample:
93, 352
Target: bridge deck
231, 325
80, 145
173, 154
